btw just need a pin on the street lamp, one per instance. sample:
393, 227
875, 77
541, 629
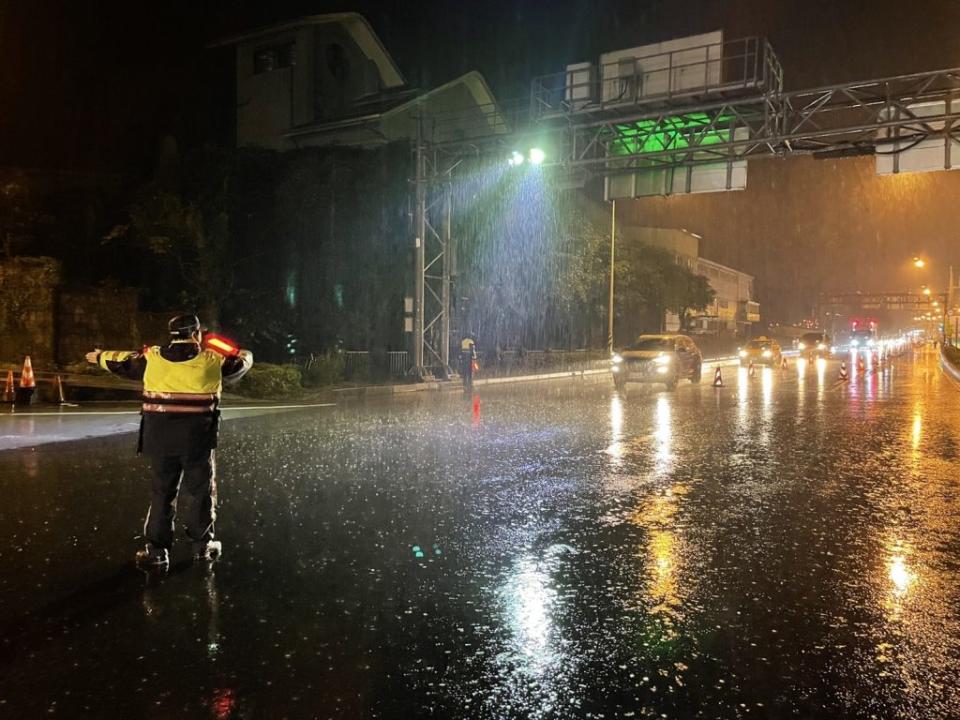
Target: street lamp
918, 262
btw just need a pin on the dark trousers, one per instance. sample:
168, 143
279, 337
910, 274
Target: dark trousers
466, 367
198, 473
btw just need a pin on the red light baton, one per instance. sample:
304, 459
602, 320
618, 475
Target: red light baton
220, 345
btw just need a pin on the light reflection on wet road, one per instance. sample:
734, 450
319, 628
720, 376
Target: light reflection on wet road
782, 547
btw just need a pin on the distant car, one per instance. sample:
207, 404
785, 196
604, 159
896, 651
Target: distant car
663, 359
761, 351
815, 345
862, 339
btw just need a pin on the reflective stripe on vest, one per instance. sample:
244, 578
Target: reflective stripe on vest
189, 386
113, 356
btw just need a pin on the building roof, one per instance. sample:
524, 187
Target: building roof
354, 23
492, 120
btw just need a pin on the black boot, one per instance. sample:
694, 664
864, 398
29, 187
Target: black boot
207, 551
152, 556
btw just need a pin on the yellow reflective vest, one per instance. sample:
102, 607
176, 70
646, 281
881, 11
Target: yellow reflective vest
187, 386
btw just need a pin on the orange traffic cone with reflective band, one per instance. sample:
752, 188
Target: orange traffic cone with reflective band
843, 371
28, 384
783, 363
860, 365
751, 371
8, 391
718, 378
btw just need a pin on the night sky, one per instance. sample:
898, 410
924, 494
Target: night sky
96, 85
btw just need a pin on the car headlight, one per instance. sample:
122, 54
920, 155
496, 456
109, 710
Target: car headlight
767, 353
662, 360
819, 346
802, 346
742, 353
869, 343
616, 358
854, 343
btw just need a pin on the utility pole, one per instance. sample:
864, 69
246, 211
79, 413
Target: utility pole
613, 245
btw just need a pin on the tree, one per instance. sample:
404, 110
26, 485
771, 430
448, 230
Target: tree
185, 225
687, 292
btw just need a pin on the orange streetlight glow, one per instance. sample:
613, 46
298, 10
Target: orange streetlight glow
918, 262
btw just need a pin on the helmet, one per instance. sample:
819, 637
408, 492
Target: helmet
184, 326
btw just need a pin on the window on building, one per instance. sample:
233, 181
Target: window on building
275, 57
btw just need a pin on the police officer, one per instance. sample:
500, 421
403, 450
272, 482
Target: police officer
468, 354
178, 430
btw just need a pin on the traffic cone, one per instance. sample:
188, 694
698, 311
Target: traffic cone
718, 378
783, 363
28, 384
58, 397
843, 370
8, 392
860, 365
750, 370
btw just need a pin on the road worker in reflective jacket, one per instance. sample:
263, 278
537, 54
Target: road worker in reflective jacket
178, 430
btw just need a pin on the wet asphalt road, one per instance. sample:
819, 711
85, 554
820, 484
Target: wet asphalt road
781, 548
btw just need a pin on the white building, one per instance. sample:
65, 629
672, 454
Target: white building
734, 309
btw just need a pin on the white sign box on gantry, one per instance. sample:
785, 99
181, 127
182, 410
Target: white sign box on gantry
908, 155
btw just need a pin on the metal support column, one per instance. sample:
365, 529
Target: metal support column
419, 229
447, 241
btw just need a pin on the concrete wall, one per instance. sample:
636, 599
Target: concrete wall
28, 309
96, 317
54, 325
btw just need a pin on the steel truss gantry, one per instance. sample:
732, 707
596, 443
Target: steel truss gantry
857, 118
731, 122
433, 259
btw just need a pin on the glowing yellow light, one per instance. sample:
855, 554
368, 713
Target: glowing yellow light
900, 576
918, 262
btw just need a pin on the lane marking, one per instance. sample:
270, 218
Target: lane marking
137, 412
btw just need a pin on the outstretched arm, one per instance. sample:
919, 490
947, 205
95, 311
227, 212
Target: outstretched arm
125, 363
236, 366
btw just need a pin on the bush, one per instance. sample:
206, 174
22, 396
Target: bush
321, 370
270, 381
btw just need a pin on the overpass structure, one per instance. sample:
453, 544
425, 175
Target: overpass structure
679, 121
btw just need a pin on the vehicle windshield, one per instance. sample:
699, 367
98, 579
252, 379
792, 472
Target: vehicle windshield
812, 338
759, 344
651, 343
